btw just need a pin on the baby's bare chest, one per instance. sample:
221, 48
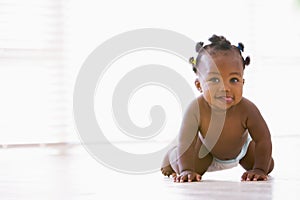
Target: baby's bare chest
225, 137
227, 126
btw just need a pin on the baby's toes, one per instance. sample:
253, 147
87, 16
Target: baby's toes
165, 172
174, 175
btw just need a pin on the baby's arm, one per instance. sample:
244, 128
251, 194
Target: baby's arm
187, 140
260, 134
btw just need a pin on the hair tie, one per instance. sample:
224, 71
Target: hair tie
192, 60
240, 47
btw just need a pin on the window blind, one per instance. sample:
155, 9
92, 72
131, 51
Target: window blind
34, 104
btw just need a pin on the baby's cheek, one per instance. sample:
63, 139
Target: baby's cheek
210, 90
208, 96
240, 93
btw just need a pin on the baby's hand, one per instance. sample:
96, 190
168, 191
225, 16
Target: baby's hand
187, 176
254, 175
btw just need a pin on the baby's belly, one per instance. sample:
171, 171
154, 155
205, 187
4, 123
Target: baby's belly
226, 148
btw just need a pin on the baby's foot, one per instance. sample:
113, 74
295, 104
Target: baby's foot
166, 168
167, 171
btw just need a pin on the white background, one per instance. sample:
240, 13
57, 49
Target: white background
269, 30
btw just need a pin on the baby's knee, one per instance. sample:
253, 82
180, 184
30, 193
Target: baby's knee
271, 166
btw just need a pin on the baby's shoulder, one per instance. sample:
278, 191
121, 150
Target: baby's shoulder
197, 105
247, 106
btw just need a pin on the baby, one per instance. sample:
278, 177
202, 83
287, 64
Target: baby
221, 128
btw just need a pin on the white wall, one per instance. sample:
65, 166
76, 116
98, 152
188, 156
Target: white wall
269, 29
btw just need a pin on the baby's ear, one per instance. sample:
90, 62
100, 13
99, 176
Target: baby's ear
198, 85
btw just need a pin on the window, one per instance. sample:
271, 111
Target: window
34, 102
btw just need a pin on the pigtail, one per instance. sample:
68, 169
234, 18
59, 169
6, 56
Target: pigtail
240, 47
218, 43
247, 61
193, 61
199, 46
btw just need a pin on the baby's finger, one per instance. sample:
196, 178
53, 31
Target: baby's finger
250, 177
174, 178
190, 177
173, 175
183, 178
244, 176
177, 179
198, 177
265, 178
258, 177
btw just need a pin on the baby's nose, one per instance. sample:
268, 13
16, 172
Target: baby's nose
225, 87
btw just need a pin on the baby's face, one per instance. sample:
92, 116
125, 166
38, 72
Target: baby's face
221, 79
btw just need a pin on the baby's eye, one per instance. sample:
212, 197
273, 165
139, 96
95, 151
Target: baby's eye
234, 80
214, 80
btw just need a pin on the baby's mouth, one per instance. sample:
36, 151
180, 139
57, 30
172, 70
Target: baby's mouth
227, 99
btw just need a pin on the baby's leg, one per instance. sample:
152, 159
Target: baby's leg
169, 164
248, 161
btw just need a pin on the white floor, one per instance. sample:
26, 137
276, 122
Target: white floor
71, 173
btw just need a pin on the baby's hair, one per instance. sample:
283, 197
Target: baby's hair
218, 43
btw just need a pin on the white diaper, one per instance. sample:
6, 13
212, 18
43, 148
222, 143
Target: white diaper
218, 164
